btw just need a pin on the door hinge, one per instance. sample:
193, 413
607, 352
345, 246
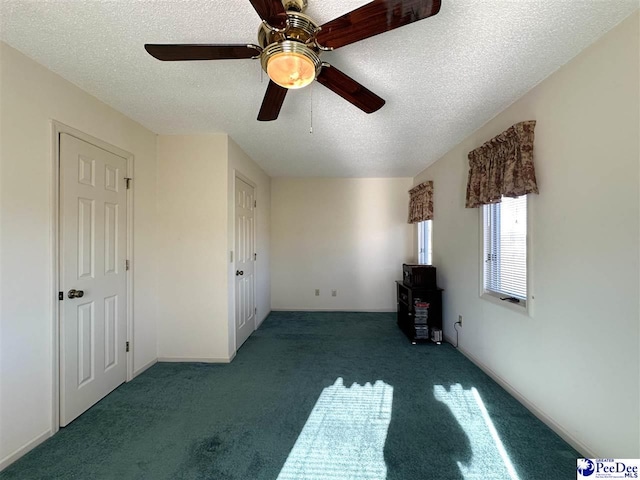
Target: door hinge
126, 349
128, 182
126, 264
255, 310
255, 204
60, 295
255, 256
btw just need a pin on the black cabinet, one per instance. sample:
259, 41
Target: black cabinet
419, 311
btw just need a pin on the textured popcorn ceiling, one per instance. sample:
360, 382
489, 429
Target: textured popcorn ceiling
442, 77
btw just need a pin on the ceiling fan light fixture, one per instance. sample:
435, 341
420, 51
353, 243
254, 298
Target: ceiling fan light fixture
291, 64
291, 70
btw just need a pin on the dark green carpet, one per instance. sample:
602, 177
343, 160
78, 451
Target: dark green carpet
241, 421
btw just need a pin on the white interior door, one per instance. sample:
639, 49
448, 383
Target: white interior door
93, 233
245, 261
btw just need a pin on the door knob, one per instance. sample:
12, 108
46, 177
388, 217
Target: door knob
239, 272
75, 293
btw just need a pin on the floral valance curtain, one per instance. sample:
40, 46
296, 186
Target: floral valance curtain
421, 202
502, 166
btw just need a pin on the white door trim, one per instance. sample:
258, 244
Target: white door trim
58, 128
232, 300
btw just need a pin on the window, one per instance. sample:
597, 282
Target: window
424, 242
505, 249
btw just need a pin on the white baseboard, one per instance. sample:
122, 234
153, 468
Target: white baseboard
5, 462
144, 367
9, 459
346, 310
196, 359
547, 420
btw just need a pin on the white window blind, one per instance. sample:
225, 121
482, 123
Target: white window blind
505, 247
424, 242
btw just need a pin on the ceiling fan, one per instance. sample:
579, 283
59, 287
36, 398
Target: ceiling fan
290, 44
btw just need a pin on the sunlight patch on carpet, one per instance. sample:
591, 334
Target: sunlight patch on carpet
344, 436
490, 459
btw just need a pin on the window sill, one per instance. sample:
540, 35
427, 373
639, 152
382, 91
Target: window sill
521, 307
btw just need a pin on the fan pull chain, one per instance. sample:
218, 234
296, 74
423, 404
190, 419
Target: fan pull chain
311, 109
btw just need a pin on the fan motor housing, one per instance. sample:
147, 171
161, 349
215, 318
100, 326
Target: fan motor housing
298, 37
300, 28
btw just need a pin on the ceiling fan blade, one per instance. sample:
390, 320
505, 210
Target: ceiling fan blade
272, 102
272, 11
349, 89
373, 18
201, 52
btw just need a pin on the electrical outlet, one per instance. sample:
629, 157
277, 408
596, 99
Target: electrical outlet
317, 292
334, 293
460, 319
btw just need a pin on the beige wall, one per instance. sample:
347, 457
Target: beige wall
344, 234
31, 97
575, 358
192, 241
195, 236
